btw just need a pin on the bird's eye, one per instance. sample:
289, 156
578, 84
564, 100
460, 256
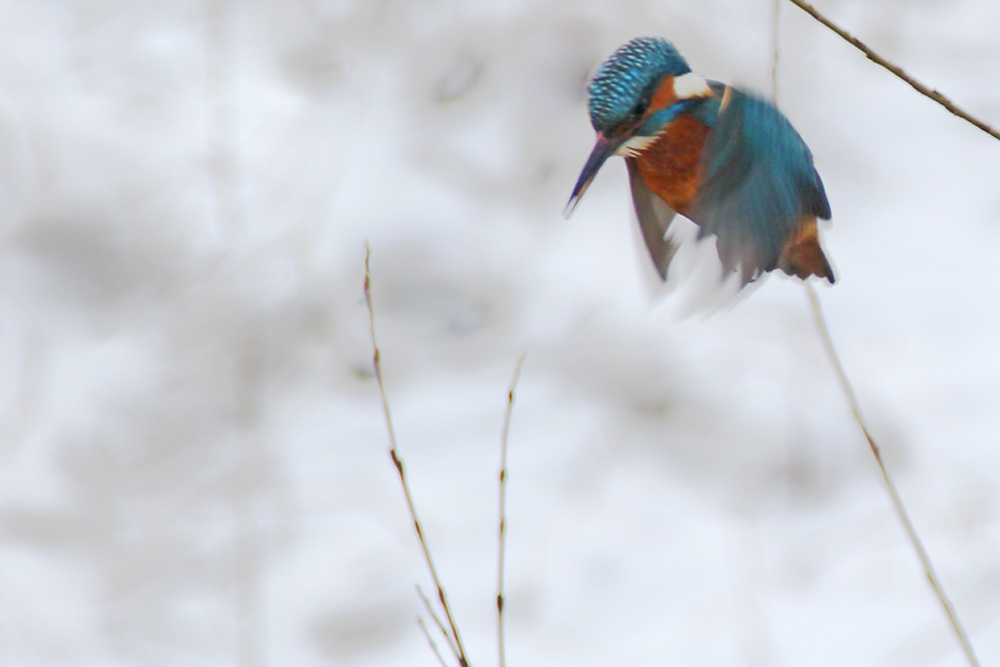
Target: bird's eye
639, 110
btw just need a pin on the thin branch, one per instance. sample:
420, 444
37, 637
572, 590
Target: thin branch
224, 172
398, 463
503, 511
430, 640
897, 502
775, 43
852, 399
437, 621
895, 69
225, 184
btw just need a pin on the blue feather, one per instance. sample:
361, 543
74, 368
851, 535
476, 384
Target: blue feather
628, 78
758, 183
655, 121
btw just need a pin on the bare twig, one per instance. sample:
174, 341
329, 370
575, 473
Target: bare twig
775, 43
503, 512
225, 179
430, 640
398, 463
225, 176
852, 399
898, 71
437, 621
897, 502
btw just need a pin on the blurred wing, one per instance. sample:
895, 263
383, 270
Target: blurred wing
655, 217
758, 184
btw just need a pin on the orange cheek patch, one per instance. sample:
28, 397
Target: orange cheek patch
664, 95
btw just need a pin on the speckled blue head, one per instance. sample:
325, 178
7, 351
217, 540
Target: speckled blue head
630, 76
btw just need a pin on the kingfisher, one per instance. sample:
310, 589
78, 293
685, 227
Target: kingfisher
725, 159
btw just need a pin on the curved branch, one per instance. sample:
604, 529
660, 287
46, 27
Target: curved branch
879, 60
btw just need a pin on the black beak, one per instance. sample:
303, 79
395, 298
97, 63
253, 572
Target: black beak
603, 149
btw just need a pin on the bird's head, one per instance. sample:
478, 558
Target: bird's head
633, 95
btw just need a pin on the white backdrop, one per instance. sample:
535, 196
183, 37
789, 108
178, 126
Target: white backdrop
194, 462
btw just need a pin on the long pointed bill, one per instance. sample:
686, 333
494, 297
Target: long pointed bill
603, 149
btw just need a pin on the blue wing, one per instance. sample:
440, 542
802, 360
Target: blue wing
654, 219
758, 182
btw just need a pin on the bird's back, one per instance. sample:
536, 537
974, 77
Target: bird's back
735, 166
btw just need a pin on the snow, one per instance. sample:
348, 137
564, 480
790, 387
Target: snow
195, 463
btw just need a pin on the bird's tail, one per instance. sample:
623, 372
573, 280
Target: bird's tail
803, 256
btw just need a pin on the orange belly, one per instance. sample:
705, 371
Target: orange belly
671, 166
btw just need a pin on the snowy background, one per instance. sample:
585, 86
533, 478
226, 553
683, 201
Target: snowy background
193, 455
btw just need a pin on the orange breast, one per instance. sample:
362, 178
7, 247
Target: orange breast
671, 165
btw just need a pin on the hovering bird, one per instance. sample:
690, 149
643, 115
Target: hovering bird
725, 159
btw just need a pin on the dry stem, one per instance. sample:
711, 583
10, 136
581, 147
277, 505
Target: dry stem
398, 463
503, 512
895, 69
897, 501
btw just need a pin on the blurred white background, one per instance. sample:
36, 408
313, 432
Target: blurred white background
194, 459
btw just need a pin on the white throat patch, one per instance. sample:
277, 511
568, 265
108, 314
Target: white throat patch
634, 145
